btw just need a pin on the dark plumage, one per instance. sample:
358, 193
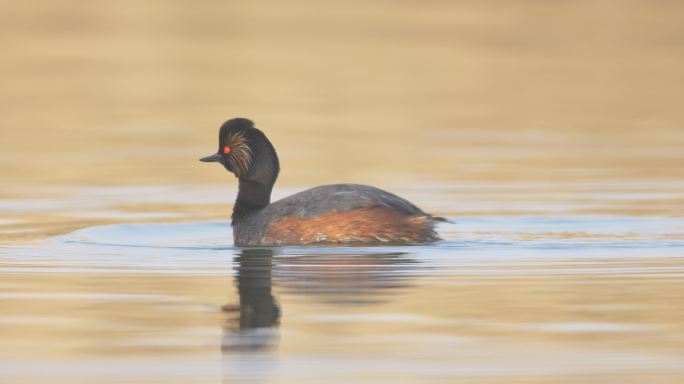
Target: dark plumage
329, 214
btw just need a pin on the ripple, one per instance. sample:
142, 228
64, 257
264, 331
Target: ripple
492, 246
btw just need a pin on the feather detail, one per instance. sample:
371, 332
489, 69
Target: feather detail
240, 157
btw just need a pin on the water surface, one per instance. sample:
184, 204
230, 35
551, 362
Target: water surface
502, 299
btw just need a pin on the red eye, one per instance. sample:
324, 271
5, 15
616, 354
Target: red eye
226, 149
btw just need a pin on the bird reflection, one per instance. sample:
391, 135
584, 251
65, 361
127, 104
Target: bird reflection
258, 310
334, 278
344, 278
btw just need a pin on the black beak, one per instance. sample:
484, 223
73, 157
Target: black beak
211, 158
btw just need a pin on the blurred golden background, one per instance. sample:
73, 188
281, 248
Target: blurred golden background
390, 93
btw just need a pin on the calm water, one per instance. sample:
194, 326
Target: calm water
502, 299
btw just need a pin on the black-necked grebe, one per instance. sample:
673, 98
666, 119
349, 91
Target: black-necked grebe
329, 214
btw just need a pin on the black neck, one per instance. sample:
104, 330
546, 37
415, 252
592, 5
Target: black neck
252, 196
255, 188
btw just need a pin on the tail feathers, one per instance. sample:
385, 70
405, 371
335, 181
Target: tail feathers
439, 219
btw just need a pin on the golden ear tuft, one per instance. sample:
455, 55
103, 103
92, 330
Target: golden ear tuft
240, 156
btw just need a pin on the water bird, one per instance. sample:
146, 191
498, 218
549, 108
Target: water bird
337, 214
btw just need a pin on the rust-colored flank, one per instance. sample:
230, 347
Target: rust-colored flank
362, 225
